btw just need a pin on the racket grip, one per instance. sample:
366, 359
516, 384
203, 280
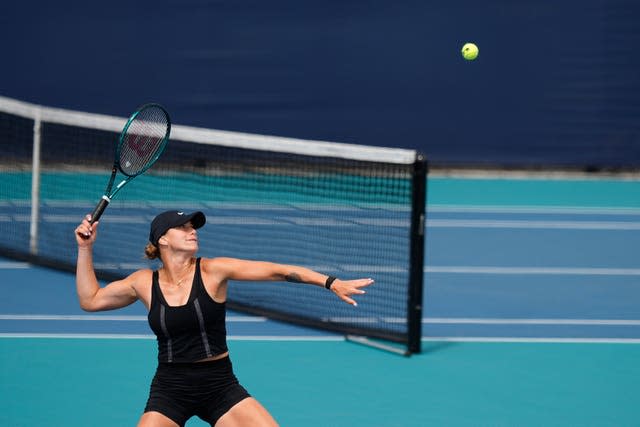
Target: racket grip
100, 207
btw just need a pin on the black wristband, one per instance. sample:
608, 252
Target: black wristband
329, 282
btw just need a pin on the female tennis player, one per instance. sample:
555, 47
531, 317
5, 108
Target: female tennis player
186, 302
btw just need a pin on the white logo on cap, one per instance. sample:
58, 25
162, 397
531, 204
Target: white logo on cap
180, 213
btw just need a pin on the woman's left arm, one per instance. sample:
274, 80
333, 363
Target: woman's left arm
238, 269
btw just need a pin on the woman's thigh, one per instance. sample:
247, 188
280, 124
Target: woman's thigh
248, 412
155, 419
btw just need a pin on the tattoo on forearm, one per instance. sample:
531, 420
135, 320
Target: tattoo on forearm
293, 277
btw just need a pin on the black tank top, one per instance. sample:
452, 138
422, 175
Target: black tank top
189, 332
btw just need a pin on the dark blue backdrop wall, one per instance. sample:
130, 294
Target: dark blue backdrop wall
556, 83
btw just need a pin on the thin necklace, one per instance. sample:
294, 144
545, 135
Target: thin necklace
184, 275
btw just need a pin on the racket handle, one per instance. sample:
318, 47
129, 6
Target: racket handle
100, 207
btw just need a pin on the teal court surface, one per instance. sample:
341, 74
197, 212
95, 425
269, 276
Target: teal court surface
531, 318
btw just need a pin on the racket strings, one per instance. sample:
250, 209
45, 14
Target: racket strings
144, 140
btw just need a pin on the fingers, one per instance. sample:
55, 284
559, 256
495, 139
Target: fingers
86, 230
350, 301
356, 286
352, 287
361, 283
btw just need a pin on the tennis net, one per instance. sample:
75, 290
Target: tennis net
345, 210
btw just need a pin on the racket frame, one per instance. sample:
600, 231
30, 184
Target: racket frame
108, 193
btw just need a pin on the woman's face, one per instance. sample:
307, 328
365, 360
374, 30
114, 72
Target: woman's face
183, 237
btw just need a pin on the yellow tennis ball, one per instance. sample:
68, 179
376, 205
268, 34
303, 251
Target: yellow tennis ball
470, 51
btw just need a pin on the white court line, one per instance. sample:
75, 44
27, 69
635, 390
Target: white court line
116, 318
565, 210
497, 321
430, 223
589, 271
286, 338
326, 222
525, 224
492, 321
8, 265
153, 337
72, 317
78, 336
463, 269
231, 206
534, 340
452, 269
392, 320
340, 338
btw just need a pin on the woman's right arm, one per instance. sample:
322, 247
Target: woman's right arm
90, 295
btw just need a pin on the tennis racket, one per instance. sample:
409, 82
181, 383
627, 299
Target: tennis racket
142, 141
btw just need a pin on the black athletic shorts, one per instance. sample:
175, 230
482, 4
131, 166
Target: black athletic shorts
205, 389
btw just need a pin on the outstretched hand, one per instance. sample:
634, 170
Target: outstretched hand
86, 232
346, 288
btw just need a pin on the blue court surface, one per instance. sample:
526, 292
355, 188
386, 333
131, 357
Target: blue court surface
531, 317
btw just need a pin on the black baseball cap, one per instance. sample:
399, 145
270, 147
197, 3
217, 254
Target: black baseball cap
170, 219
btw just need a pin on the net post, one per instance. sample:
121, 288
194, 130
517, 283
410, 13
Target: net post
35, 183
416, 273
